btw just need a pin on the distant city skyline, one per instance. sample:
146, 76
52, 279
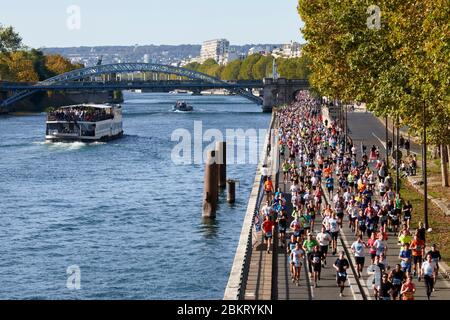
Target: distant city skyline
76, 23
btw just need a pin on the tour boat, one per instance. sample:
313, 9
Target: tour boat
86, 123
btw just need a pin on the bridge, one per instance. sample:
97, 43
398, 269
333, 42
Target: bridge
109, 77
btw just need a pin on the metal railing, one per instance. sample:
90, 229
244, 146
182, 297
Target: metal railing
260, 196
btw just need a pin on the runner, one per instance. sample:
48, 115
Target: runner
408, 289
333, 227
268, 226
377, 270
372, 248
418, 251
308, 246
358, 250
407, 213
286, 166
315, 259
282, 225
436, 258
268, 188
341, 265
406, 257
380, 245
428, 272
297, 255
397, 276
291, 246
267, 210
330, 185
324, 239
386, 288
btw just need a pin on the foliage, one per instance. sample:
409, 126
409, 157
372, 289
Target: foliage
255, 67
9, 39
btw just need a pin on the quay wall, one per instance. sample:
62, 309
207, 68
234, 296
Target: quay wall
239, 271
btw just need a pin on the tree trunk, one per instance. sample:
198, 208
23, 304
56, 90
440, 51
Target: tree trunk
435, 153
444, 165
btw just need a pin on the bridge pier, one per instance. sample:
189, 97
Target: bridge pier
281, 92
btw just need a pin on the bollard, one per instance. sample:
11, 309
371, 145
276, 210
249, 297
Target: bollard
231, 191
211, 189
221, 149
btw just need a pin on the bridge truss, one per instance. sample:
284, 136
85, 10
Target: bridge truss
120, 68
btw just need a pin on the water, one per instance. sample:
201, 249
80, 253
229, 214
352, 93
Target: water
121, 211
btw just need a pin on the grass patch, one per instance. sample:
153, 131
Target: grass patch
436, 218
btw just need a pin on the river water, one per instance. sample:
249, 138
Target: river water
122, 212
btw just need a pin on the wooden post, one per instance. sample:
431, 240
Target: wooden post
231, 191
211, 190
221, 150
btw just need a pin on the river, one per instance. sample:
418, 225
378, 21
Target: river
122, 212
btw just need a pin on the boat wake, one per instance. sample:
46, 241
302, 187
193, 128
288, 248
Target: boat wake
68, 146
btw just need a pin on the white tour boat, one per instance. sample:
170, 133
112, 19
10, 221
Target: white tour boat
86, 123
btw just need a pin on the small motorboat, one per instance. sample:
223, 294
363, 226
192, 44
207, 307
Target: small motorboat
182, 106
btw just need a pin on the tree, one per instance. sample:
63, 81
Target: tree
231, 70
9, 40
57, 64
260, 68
246, 72
20, 67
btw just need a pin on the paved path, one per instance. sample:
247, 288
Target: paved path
365, 127
269, 275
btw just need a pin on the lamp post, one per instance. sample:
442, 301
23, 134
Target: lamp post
397, 158
424, 168
387, 138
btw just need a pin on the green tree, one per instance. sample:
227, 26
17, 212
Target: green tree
261, 67
246, 72
231, 70
9, 39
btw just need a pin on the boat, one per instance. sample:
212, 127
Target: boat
85, 123
182, 106
179, 91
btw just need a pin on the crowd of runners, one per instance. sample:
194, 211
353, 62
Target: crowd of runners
316, 159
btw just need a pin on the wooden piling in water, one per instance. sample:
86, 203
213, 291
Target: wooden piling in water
221, 149
211, 186
231, 191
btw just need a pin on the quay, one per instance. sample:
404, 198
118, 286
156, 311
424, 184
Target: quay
257, 275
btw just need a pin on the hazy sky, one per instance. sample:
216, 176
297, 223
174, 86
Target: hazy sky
113, 22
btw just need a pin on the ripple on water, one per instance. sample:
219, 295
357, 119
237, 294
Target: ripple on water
121, 210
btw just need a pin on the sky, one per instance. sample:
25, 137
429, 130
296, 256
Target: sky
67, 23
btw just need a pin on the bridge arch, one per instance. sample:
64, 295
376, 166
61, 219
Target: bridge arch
126, 68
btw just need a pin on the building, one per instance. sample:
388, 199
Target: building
290, 50
215, 49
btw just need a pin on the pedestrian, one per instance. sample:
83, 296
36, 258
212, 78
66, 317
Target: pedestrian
324, 240
341, 265
397, 277
407, 213
428, 272
408, 289
358, 250
386, 288
297, 256
418, 251
436, 258
315, 259
268, 227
